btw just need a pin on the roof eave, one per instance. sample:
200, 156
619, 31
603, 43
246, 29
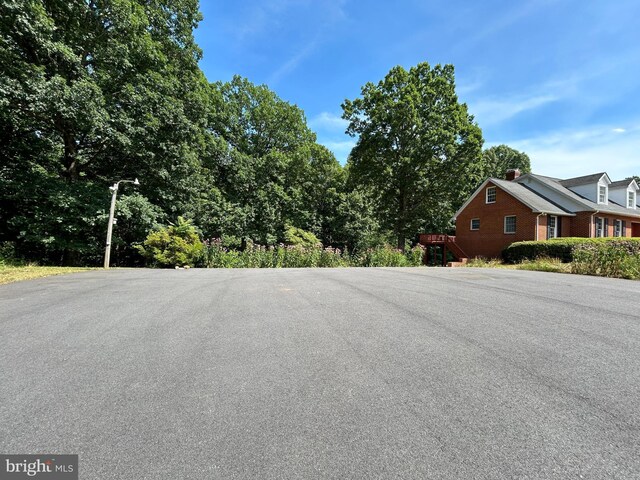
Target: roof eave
588, 208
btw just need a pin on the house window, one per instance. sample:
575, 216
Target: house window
475, 224
510, 224
491, 195
617, 228
631, 200
600, 227
602, 194
552, 224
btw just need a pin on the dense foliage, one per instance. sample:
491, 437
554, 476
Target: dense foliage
418, 148
497, 160
216, 255
94, 91
91, 92
565, 248
617, 258
175, 245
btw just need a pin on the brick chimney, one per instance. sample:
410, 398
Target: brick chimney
512, 174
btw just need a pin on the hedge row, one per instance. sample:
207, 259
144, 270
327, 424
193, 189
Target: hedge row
619, 259
565, 248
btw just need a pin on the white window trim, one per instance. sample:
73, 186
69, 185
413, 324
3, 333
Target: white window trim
606, 194
471, 225
505, 224
555, 226
601, 219
633, 199
615, 225
486, 194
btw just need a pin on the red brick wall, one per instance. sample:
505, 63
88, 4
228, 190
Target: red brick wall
580, 226
542, 227
491, 239
610, 226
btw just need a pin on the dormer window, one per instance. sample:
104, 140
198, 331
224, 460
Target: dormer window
631, 200
491, 195
602, 194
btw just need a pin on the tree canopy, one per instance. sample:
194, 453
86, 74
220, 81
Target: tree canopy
418, 148
95, 91
497, 160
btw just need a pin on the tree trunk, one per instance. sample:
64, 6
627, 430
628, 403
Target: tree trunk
70, 258
400, 223
70, 157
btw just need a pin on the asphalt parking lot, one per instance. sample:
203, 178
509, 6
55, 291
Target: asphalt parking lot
324, 373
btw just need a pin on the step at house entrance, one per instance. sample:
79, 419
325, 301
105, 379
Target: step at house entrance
445, 244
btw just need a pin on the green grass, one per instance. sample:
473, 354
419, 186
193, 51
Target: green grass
545, 265
540, 265
490, 263
17, 273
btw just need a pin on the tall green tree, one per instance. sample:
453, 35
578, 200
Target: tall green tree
274, 173
92, 91
418, 147
500, 158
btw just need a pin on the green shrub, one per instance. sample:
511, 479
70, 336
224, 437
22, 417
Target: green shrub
415, 256
299, 237
216, 255
561, 248
617, 258
388, 256
544, 265
176, 245
484, 263
8, 254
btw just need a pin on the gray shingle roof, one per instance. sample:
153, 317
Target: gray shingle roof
533, 200
621, 183
559, 186
572, 182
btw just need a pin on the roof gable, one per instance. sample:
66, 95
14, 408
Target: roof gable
579, 202
586, 180
524, 195
626, 183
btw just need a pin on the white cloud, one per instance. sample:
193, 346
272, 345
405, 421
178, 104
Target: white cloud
340, 148
262, 18
292, 63
507, 17
464, 88
494, 111
328, 121
572, 153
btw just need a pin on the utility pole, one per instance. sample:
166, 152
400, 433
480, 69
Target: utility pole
112, 210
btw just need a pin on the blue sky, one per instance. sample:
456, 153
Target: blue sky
558, 79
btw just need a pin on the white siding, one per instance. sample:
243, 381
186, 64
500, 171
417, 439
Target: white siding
620, 195
553, 195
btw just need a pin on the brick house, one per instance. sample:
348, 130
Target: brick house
535, 207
